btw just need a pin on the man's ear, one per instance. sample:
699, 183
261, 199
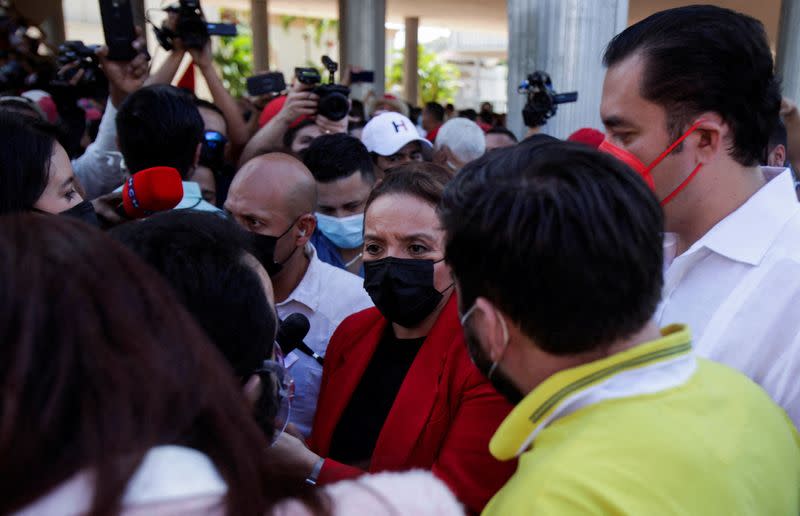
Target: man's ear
713, 132
306, 224
197, 154
489, 325
777, 158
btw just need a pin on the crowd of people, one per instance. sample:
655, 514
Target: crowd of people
241, 306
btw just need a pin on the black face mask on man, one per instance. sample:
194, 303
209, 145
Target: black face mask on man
498, 379
265, 250
402, 289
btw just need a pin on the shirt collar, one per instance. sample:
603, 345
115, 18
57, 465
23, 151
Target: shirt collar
191, 190
547, 401
307, 292
747, 234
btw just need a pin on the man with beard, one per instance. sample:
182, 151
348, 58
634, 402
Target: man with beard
557, 256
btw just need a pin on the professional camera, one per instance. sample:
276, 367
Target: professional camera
543, 100
82, 57
191, 27
333, 98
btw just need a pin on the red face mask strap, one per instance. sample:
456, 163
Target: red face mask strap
675, 145
683, 185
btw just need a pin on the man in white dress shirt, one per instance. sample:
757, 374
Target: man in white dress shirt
274, 196
678, 109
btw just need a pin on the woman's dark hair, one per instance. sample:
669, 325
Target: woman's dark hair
100, 363
565, 240
159, 125
705, 58
289, 136
26, 145
437, 171
203, 257
410, 179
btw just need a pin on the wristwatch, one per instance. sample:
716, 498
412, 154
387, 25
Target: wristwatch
314, 475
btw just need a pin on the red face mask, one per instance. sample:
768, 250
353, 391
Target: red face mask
646, 171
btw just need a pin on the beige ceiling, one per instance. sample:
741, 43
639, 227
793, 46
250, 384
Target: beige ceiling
462, 15
490, 15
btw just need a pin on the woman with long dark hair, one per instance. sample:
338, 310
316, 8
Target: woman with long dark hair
35, 171
113, 399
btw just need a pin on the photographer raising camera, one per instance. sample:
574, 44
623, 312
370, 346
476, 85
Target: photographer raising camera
286, 120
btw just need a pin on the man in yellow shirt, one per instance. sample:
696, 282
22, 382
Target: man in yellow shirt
557, 255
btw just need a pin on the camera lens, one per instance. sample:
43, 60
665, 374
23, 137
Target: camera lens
334, 106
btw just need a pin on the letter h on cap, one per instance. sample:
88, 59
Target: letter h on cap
398, 125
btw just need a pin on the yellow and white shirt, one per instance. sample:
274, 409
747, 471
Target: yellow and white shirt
651, 430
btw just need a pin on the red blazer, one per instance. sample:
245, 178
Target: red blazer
443, 416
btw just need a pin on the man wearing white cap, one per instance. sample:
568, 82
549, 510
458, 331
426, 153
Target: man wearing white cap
393, 140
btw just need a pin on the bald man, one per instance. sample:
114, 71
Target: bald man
274, 196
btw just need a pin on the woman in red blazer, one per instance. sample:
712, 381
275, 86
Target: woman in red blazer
399, 390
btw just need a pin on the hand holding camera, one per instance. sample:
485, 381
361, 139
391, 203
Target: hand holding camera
333, 98
301, 101
125, 77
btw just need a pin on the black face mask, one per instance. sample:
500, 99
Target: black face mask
402, 289
497, 378
265, 251
83, 211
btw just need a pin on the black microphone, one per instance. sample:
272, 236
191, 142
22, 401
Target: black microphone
291, 333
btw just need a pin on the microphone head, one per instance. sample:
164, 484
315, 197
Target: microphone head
152, 190
292, 331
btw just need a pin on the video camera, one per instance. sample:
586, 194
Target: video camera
543, 100
84, 57
333, 98
191, 27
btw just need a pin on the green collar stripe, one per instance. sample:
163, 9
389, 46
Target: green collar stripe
604, 373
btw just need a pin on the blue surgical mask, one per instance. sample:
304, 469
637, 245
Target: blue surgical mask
345, 232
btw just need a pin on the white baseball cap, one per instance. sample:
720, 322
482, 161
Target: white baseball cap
387, 133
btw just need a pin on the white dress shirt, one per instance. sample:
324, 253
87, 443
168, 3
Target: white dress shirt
738, 289
326, 295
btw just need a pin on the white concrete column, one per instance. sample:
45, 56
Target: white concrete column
411, 62
566, 39
259, 22
362, 40
789, 48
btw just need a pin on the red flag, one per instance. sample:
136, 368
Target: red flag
187, 81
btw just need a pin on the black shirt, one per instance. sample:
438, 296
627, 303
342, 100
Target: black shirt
357, 432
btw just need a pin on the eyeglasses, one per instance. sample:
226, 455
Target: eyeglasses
274, 373
214, 139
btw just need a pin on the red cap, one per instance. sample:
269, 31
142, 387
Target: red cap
587, 136
273, 108
151, 190
483, 125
